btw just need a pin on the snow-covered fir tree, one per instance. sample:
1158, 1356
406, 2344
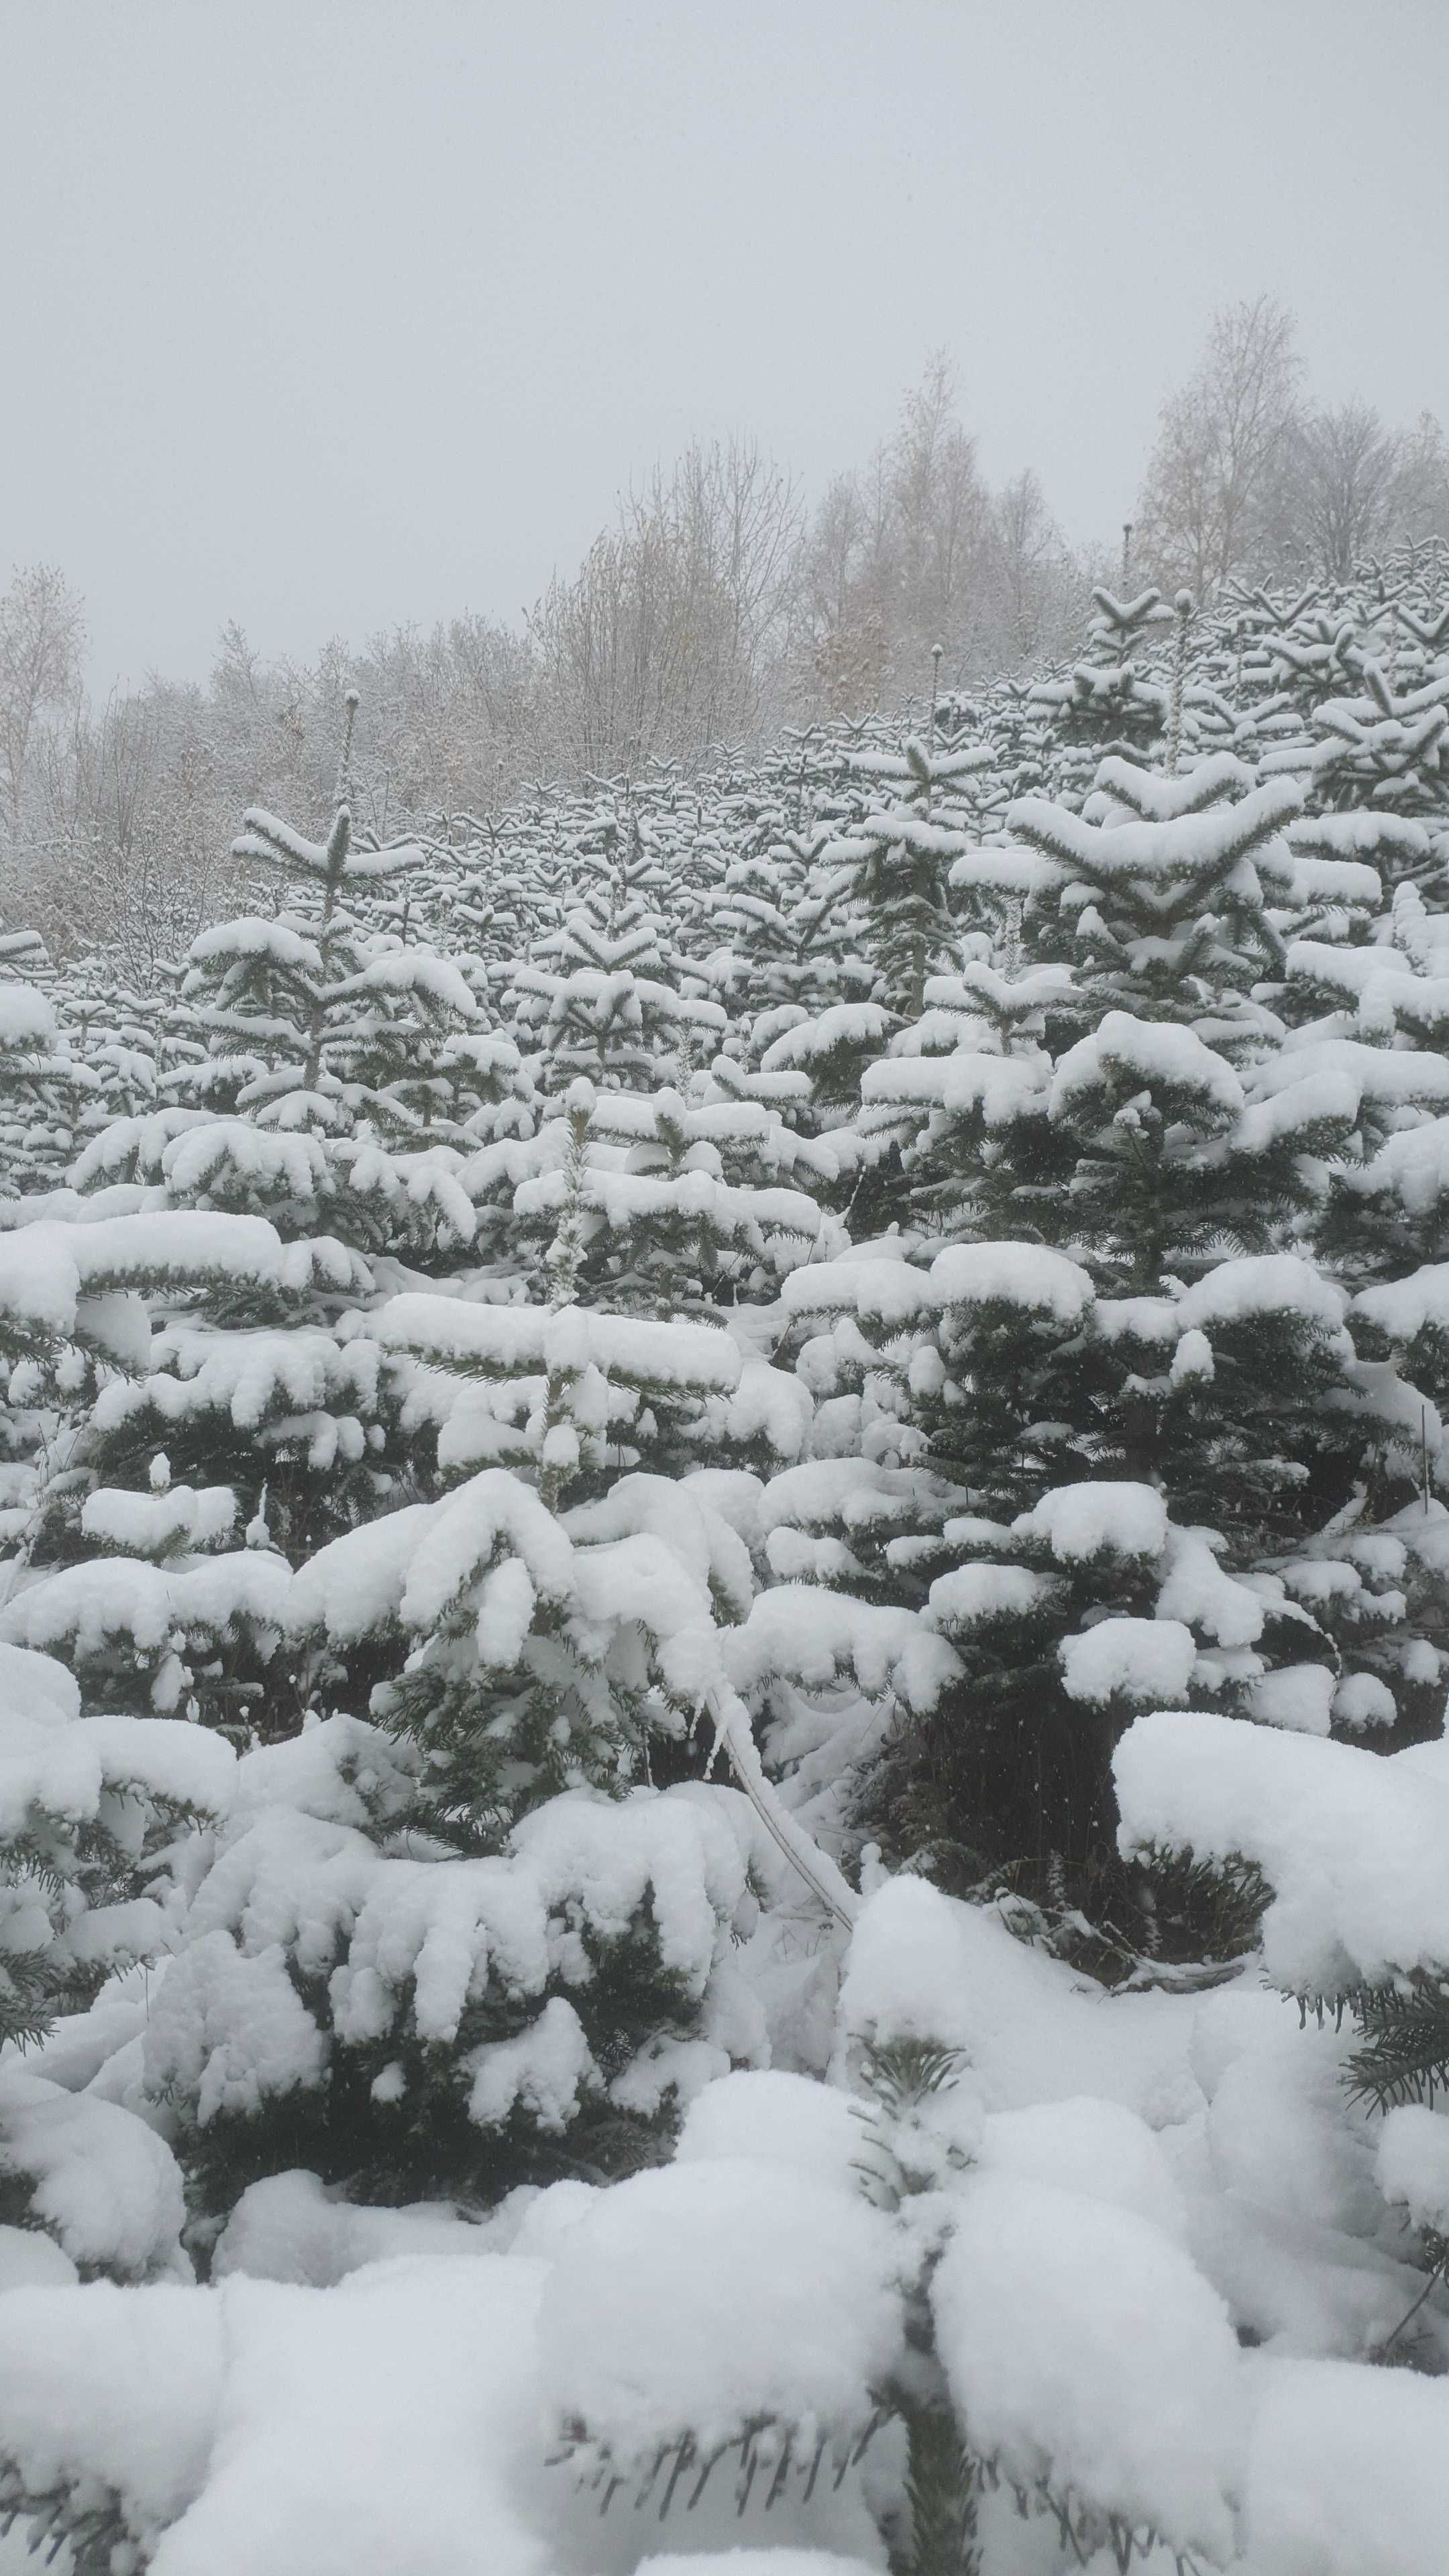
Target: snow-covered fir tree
595, 1397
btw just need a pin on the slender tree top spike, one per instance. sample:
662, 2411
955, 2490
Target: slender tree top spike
352, 700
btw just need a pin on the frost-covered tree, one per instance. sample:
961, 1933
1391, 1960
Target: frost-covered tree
1108, 703
891, 2336
93, 1814
542, 1663
920, 805
327, 1100
346, 1023
682, 1202
1125, 1144
787, 943
1340, 1848
43, 1089
603, 996
136, 1589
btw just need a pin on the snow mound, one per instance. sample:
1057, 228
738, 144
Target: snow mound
1086, 2352
698, 2299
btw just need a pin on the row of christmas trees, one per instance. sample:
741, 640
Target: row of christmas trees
586, 1386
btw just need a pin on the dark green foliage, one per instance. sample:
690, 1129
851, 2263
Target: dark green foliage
415, 2134
1404, 2055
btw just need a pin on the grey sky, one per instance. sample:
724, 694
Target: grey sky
328, 313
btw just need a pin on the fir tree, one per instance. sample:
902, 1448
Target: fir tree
1170, 1150
43, 1089
894, 860
93, 1812
1107, 705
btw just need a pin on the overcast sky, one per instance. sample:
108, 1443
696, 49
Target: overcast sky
325, 314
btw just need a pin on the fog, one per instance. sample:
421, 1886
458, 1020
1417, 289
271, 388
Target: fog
330, 316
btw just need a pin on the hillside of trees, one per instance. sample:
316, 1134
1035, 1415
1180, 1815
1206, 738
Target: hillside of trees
724, 1504
723, 602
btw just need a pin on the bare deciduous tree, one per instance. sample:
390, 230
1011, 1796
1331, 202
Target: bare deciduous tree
1035, 582
1421, 497
42, 633
897, 560
841, 635
1345, 488
1345, 465
1220, 445
665, 642
941, 510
